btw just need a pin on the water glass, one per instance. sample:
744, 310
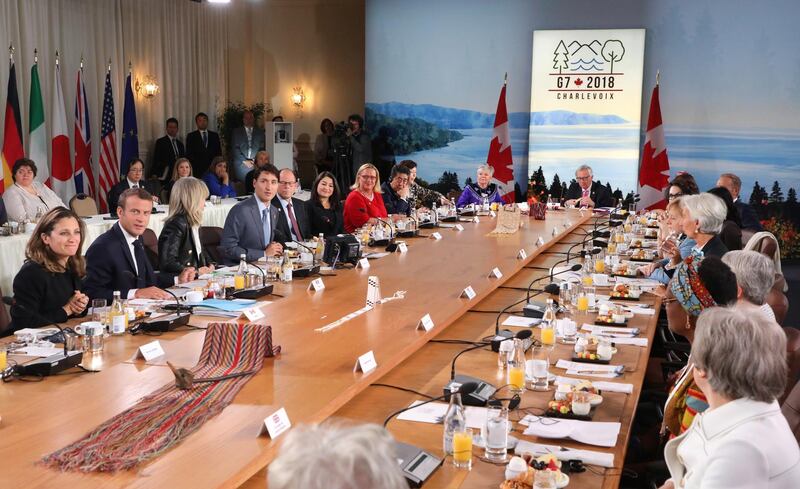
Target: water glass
496, 437
99, 312
544, 479
537, 370
273, 268
569, 331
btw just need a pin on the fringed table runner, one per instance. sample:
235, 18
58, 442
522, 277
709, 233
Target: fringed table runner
164, 418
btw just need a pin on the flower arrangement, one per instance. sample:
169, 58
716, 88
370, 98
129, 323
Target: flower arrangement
787, 235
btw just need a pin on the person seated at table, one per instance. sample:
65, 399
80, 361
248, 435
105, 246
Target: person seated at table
330, 456
748, 215
133, 179
731, 233
481, 191
673, 230
251, 227
217, 178
293, 218
395, 192
755, 276
742, 439
48, 286
696, 286
325, 206
181, 169
364, 205
682, 185
262, 158
702, 216
179, 242
420, 196
3, 214
27, 197
117, 261
584, 192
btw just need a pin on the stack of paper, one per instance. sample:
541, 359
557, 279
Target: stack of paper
434, 413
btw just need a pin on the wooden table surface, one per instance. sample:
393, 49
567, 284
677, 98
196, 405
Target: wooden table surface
312, 378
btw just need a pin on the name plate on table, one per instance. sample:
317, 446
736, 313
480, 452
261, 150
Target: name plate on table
425, 323
492, 214
402, 247
436, 236
150, 351
522, 254
366, 363
476, 220
275, 424
540, 241
316, 285
363, 263
495, 273
469, 292
458, 227
254, 313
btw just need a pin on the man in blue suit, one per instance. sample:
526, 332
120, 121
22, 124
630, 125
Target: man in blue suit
246, 141
117, 260
251, 226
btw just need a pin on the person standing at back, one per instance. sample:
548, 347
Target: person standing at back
202, 145
246, 141
168, 149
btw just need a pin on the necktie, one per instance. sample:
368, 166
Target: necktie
205, 138
265, 224
295, 227
174, 147
140, 258
585, 192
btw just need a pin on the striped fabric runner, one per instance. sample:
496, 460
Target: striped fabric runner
164, 418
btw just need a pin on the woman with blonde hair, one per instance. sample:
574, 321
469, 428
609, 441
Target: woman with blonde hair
364, 204
179, 243
182, 168
47, 287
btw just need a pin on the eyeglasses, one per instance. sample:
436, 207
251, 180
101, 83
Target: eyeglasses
675, 196
368, 177
287, 183
584, 178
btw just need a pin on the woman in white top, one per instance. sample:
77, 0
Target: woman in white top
755, 276
27, 197
742, 440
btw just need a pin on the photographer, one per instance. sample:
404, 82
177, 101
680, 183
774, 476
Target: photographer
360, 143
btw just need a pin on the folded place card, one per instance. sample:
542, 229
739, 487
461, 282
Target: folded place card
149, 351
366, 363
599, 279
522, 254
275, 424
476, 220
363, 263
437, 236
495, 273
425, 323
598, 384
254, 314
316, 285
458, 227
540, 241
589, 367
402, 247
469, 293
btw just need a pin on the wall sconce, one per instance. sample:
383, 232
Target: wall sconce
148, 88
298, 99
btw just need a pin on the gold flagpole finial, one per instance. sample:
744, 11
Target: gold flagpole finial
11, 52
56, 58
505, 79
35, 56
81, 62
658, 77
109, 65
130, 67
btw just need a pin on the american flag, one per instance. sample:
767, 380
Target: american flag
109, 164
83, 141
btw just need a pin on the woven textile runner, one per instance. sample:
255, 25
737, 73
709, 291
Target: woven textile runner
167, 416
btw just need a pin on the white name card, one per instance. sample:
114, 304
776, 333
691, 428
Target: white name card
496, 273
469, 293
425, 323
366, 363
254, 313
492, 214
402, 248
275, 424
363, 263
540, 241
476, 220
436, 236
316, 285
522, 255
458, 227
150, 351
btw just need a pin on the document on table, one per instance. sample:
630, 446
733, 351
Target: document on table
434, 413
38, 351
603, 434
600, 385
579, 368
521, 321
586, 456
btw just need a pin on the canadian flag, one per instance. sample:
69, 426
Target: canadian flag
654, 170
499, 156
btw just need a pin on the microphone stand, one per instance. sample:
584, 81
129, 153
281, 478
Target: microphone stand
165, 323
391, 246
307, 272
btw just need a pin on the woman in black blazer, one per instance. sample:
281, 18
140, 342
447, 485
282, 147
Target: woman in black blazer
47, 287
179, 243
326, 206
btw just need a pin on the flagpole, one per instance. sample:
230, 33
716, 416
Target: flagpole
81, 66
36, 56
11, 53
56, 58
130, 67
658, 77
108, 70
505, 80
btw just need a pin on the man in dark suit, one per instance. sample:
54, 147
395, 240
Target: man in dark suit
293, 215
246, 141
748, 215
133, 179
585, 193
202, 145
168, 149
117, 260
251, 226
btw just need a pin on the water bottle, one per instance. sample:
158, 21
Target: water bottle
454, 420
486, 204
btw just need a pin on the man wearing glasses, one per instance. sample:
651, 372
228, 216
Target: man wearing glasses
293, 217
395, 192
586, 193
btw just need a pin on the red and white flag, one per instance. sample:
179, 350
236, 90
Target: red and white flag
109, 164
62, 180
499, 156
654, 169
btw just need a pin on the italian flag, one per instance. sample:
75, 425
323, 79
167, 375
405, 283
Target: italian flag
37, 137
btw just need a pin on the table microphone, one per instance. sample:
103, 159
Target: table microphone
464, 389
301, 273
391, 247
566, 260
166, 323
255, 292
47, 365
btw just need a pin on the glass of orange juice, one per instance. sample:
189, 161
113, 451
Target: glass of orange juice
462, 448
599, 265
516, 378
583, 303
587, 280
3, 358
548, 336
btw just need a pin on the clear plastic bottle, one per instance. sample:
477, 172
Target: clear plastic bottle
516, 368
588, 268
117, 317
240, 279
454, 420
286, 268
434, 213
320, 251
486, 204
549, 316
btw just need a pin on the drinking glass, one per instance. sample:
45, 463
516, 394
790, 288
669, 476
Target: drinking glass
496, 439
580, 403
462, 448
3, 357
273, 268
537, 369
544, 479
569, 331
99, 312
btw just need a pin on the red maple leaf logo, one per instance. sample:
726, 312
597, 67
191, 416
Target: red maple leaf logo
651, 171
579, 82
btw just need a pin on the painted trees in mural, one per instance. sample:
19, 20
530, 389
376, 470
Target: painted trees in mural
759, 195
447, 183
555, 188
776, 196
561, 57
537, 187
613, 51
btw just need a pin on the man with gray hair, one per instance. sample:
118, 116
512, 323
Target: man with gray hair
331, 456
747, 214
585, 193
755, 276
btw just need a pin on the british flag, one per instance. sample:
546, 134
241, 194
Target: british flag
84, 179
109, 163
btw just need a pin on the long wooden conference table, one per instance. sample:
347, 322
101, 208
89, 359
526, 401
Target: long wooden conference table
313, 378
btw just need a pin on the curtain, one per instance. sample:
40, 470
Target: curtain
180, 43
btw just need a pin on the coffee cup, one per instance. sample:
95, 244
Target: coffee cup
194, 296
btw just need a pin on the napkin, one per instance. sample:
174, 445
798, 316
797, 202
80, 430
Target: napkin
603, 434
600, 385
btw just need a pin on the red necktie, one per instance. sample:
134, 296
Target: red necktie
294, 222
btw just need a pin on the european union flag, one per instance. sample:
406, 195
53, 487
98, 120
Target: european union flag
130, 133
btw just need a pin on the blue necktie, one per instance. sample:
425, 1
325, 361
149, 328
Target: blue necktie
205, 138
265, 223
